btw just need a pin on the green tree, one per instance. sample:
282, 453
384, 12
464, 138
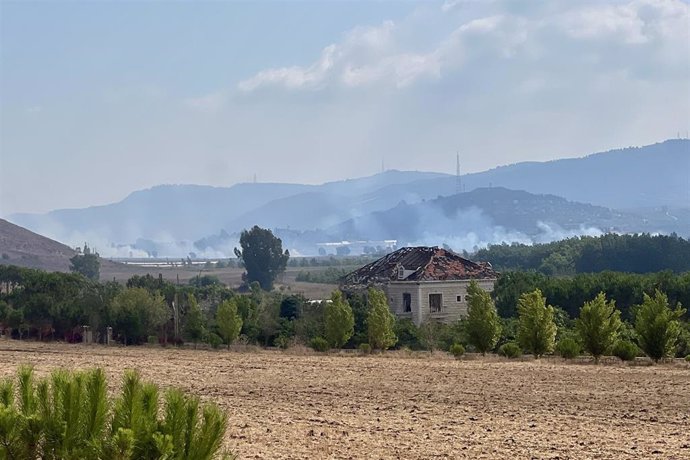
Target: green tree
69, 415
657, 326
339, 321
262, 255
598, 325
229, 321
195, 324
380, 321
536, 326
15, 320
87, 263
137, 314
483, 325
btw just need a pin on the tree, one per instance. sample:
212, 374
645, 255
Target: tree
483, 324
262, 255
536, 327
70, 415
339, 320
15, 320
598, 325
194, 325
380, 321
657, 326
138, 313
229, 321
87, 263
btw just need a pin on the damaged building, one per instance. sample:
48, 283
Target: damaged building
423, 283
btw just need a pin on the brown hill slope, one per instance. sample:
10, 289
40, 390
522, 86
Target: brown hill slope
19, 246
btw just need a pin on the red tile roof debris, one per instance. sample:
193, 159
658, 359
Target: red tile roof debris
420, 264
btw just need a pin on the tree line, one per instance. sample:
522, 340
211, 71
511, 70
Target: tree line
638, 253
56, 306
570, 293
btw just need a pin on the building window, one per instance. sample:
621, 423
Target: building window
435, 302
459, 298
407, 302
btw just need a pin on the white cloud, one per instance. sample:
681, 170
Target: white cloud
375, 55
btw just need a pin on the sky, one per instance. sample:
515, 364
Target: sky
99, 99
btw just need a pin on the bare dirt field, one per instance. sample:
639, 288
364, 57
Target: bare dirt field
284, 405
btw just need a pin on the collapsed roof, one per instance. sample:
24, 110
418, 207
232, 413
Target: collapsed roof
420, 264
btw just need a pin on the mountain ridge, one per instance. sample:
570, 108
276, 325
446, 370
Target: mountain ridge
652, 177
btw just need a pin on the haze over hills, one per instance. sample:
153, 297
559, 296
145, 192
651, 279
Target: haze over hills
652, 183
486, 215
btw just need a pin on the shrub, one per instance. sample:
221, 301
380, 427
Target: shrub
687, 358
365, 348
68, 415
510, 350
319, 344
625, 350
457, 350
152, 340
214, 340
281, 341
568, 348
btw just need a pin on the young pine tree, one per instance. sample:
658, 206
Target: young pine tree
483, 323
657, 326
229, 321
195, 324
536, 327
598, 325
380, 321
339, 321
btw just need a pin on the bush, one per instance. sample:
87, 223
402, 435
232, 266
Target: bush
152, 340
457, 350
510, 350
687, 358
214, 340
625, 350
281, 341
319, 344
568, 348
68, 415
365, 348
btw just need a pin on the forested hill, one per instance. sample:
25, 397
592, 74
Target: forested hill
641, 253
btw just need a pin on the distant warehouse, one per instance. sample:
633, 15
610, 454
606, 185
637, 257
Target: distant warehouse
423, 283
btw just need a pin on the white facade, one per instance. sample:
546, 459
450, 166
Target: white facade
420, 301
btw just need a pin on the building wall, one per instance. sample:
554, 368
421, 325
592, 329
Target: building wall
451, 309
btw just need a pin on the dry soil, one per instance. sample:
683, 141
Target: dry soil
284, 405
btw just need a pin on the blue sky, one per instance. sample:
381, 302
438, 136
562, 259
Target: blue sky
99, 99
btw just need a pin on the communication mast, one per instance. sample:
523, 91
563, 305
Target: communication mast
458, 181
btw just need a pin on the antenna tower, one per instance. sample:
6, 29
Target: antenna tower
458, 182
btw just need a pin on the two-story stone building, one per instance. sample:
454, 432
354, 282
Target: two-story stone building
423, 283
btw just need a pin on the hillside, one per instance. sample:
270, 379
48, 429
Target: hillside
653, 176
651, 183
482, 216
25, 248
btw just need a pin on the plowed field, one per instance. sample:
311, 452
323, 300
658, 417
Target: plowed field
285, 405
